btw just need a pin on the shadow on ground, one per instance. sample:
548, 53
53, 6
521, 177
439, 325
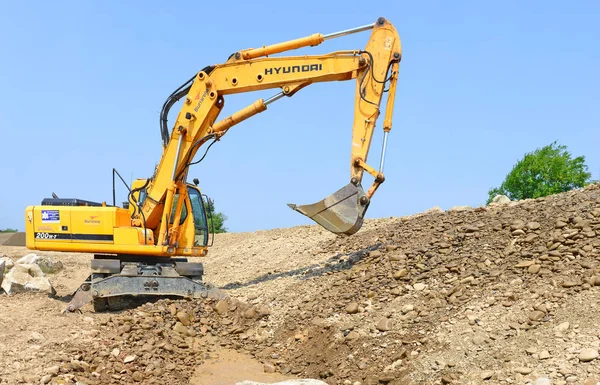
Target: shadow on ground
335, 263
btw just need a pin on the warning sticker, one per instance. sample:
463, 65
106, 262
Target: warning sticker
50, 216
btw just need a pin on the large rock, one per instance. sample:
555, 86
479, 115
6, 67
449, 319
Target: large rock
459, 208
501, 199
434, 210
8, 263
25, 277
307, 381
47, 265
2, 265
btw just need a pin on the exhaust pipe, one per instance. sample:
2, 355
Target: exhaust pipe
341, 213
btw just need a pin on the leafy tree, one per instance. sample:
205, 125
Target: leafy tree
546, 171
218, 219
9, 230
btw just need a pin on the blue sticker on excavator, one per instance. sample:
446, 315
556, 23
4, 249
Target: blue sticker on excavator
50, 216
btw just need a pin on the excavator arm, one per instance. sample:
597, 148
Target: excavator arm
255, 69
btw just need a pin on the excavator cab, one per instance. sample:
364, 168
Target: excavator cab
194, 204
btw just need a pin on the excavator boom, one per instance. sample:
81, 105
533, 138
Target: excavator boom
255, 69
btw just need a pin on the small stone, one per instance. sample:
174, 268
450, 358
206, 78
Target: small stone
407, 308
179, 328
115, 352
533, 225
487, 375
542, 381
385, 324
525, 264
536, 315
400, 274
352, 308
36, 337
269, 368
53, 370
250, 313
46, 379
523, 370
531, 350
591, 381
419, 286
129, 359
375, 254
544, 355
137, 376
588, 354
534, 269
184, 318
222, 307
353, 335
478, 340
563, 327
568, 283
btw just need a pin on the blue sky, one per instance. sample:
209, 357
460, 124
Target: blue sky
480, 84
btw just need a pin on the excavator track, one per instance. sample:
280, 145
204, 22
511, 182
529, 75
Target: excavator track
118, 281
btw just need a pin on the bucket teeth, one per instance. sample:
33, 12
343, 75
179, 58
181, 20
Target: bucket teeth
341, 213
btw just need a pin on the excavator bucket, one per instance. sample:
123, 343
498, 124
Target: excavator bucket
341, 213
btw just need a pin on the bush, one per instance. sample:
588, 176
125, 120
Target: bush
545, 171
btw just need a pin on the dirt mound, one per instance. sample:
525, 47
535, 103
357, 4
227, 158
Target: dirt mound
13, 239
455, 297
504, 294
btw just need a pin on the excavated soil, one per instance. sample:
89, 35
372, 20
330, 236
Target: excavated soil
503, 294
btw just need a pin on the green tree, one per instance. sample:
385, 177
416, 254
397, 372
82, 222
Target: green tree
216, 218
8, 230
545, 171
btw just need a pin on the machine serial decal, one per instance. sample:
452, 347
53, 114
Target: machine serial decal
292, 69
46, 236
75, 237
50, 216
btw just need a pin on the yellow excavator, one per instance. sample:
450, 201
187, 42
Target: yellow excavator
141, 248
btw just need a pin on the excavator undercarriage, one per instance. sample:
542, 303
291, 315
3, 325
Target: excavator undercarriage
115, 277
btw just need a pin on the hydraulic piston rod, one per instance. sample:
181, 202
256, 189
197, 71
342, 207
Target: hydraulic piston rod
348, 31
312, 40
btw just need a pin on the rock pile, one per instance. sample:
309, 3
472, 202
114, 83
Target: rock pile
466, 296
495, 276
161, 342
24, 277
27, 274
46, 264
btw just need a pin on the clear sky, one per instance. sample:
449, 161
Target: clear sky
481, 83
